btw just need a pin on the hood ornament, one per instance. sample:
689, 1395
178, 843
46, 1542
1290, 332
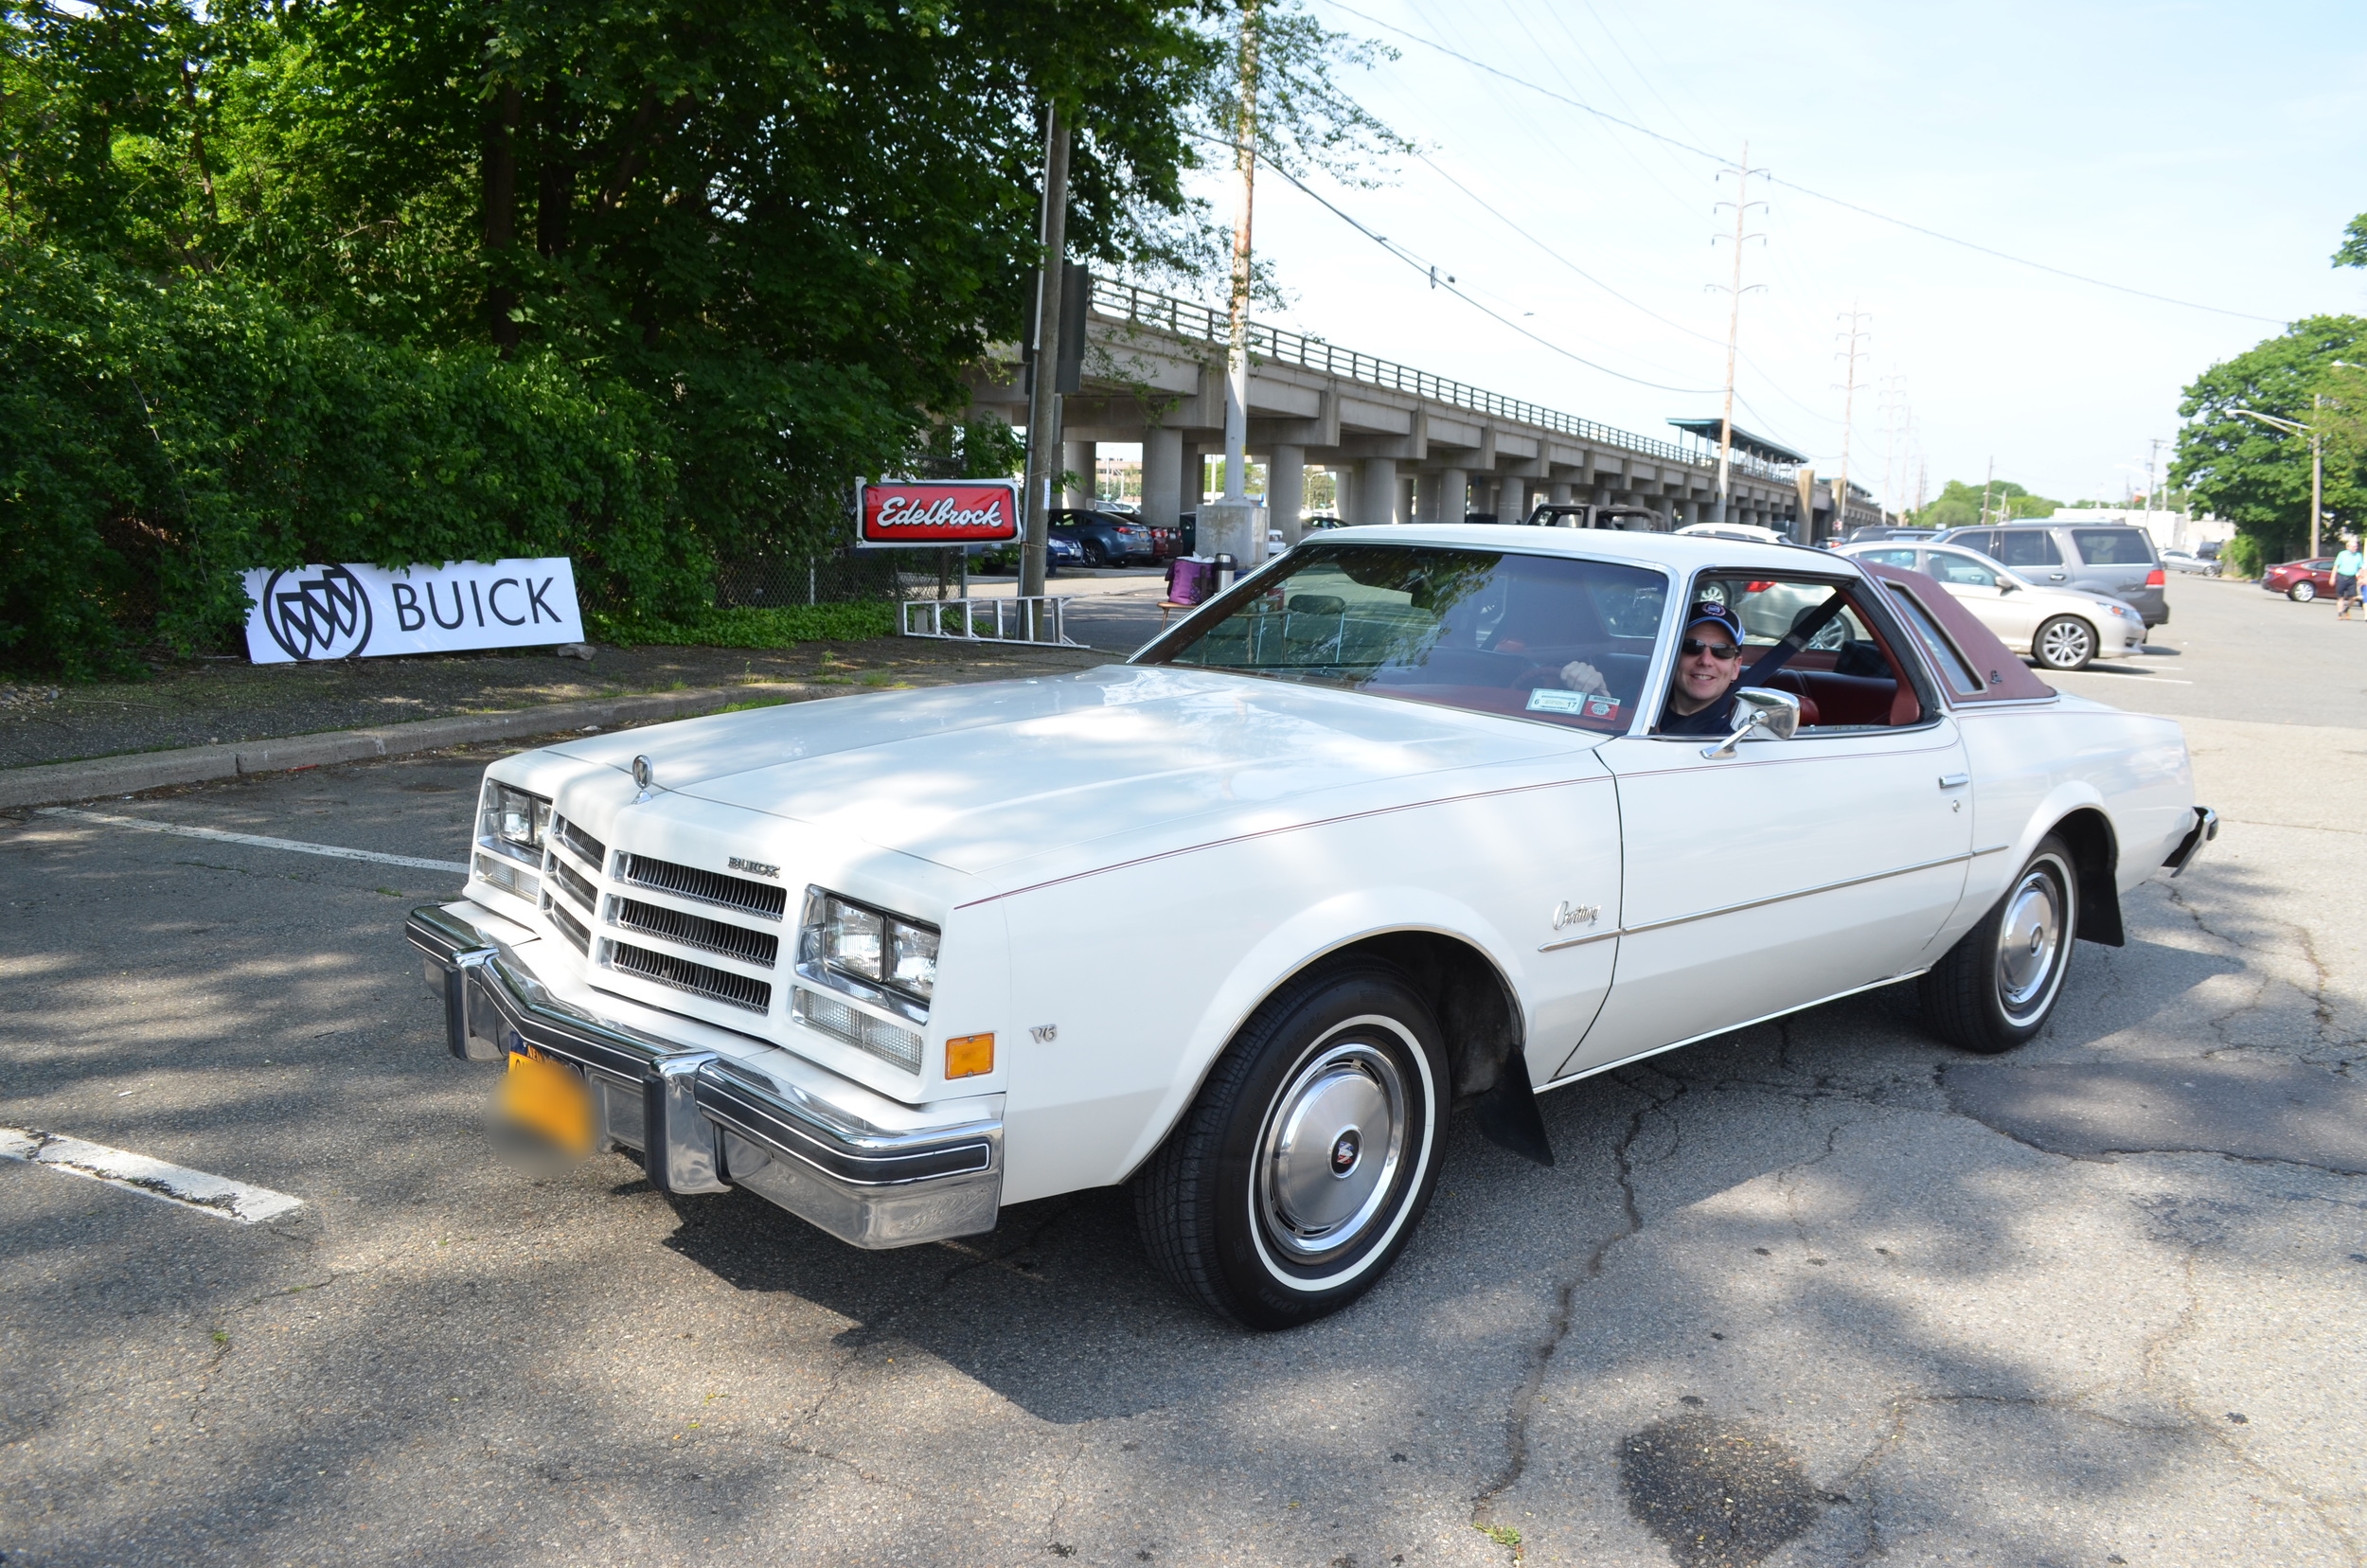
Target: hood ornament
644, 776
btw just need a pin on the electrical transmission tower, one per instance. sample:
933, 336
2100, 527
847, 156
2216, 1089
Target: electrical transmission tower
1854, 334
1743, 204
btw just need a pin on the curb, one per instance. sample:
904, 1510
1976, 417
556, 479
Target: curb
60, 783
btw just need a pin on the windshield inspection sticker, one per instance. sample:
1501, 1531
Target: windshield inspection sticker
1585, 705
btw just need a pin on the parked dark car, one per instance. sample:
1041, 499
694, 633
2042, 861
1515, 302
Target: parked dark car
1107, 538
2112, 559
2301, 581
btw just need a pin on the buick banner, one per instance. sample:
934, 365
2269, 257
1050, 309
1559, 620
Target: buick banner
955, 511
367, 612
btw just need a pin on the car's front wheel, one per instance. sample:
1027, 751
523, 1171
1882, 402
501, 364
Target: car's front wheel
1998, 985
2065, 643
2301, 592
1298, 1176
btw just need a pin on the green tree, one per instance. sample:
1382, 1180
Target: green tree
2255, 475
1959, 505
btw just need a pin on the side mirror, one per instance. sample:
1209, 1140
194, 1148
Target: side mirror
1775, 713
2007, 585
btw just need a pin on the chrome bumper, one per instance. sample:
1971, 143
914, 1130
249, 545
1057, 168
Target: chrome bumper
703, 1122
2206, 828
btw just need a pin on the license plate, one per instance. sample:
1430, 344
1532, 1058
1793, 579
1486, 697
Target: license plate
550, 1098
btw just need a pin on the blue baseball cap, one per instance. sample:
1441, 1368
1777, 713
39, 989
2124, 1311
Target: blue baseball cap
1709, 610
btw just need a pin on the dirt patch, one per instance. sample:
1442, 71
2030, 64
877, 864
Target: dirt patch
217, 702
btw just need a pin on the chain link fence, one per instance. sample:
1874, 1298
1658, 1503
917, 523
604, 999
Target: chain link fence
869, 577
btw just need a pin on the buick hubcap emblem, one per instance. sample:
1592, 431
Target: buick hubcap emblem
1344, 1152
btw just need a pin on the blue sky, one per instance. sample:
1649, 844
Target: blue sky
2209, 153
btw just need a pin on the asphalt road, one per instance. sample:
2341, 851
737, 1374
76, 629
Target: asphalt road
1812, 1293
2233, 650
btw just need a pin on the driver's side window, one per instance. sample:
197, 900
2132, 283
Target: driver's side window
1947, 566
1825, 650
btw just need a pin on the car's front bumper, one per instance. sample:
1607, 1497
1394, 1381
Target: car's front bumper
868, 1170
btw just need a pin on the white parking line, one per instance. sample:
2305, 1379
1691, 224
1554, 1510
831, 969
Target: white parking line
258, 840
216, 1195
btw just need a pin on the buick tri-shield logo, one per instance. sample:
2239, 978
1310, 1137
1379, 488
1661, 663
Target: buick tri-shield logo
317, 615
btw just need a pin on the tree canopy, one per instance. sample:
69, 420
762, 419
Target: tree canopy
769, 242
1959, 505
2256, 475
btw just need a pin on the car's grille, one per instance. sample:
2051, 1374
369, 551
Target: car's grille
685, 881
572, 928
733, 941
593, 852
735, 991
568, 877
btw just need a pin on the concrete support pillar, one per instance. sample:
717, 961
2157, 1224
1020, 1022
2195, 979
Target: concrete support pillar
1446, 495
1561, 492
1194, 476
1405, 500
1375, 490
1343, 492
1162, 476
1286, 489
1077, 458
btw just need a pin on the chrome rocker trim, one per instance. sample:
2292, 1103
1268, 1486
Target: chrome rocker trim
702, 1122
2206, 828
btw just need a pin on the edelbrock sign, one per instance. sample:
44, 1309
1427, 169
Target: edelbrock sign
367, 612
954, 511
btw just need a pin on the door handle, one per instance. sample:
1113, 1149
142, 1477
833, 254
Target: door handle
1954, 781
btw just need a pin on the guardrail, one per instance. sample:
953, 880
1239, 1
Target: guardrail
1202, 324
1033, 619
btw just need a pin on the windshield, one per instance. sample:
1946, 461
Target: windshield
1488, 630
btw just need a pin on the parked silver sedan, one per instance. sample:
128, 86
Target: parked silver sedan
2057, 628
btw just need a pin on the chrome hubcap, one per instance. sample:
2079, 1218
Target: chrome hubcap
2066, 643
2028, 941
1330, 1153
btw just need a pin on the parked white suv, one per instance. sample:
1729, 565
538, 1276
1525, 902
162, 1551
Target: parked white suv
2059, 627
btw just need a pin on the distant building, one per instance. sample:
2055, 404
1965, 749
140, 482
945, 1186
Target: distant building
2170, 530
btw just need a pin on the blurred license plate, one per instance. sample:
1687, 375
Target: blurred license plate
550, 1098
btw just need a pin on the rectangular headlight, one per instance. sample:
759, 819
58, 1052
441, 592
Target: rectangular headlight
513, 822
885, 958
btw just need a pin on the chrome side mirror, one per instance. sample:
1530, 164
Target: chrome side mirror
1774, 713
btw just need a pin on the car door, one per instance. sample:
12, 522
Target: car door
1783, 874
2031, 552
1972, 581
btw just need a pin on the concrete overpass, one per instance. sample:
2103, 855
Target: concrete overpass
1407, 445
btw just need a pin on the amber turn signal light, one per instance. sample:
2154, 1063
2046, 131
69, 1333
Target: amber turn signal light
968, 1055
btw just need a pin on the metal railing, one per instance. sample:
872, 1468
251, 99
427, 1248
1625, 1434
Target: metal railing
1032, 619
1199, 323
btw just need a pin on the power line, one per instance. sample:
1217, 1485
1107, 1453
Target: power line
1805, 190
1441, 280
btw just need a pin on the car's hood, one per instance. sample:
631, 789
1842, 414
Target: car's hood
978, 776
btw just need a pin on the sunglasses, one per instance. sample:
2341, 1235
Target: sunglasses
1722, 652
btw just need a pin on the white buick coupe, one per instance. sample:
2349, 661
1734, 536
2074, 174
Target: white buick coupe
1394, 825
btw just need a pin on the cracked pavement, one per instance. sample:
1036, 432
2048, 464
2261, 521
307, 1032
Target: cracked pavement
1821, 1292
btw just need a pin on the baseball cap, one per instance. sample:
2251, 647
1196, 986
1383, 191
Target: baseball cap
1709, 610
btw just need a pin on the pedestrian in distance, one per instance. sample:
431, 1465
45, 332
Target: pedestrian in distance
2347, 562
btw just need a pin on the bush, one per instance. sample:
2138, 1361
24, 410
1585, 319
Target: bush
753, 628
158, 441
2242, 556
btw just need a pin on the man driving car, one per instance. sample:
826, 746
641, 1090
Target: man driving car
1709, 659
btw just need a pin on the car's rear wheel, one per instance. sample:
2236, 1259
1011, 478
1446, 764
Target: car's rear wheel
2301, 592
2064, 643
1093, 555
1299, 1173
1999, 983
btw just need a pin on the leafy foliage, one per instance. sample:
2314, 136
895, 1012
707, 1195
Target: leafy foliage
157, 441
1959, 505
749, 627
2353, 251
2255, 475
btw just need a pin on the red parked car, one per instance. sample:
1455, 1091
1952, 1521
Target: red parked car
2301, 581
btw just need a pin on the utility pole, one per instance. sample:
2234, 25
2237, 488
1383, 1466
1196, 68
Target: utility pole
1985, 486
1741, 203
1923, 485
1894, 405
1848, 412
2317, 474
2153, 461
1236, 359
1043, 397
1235, 525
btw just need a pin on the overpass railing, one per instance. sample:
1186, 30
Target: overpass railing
1184, 319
